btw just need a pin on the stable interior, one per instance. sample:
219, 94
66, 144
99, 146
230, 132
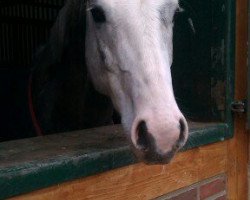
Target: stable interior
199, 68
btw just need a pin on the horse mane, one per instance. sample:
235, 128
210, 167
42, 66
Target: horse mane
63, 96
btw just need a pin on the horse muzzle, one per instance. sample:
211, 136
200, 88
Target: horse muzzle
159, 147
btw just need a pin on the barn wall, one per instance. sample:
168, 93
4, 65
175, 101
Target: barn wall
213, 189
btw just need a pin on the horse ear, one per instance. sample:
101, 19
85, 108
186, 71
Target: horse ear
63, 54
69, 25
67, 33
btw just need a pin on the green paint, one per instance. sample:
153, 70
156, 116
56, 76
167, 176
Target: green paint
67, 156
207, 135
230, 62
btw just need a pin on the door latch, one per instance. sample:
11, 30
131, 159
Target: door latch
239, 107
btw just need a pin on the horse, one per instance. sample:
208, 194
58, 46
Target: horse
104, 56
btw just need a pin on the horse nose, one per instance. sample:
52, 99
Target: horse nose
147, 144
182, 137
143, 137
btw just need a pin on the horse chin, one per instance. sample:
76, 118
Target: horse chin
151, 158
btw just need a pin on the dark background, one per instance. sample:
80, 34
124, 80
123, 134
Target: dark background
197, 64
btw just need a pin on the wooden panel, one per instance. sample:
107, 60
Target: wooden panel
238, 147
237, 163
140, 181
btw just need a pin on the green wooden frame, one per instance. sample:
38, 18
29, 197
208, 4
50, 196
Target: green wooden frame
31, 164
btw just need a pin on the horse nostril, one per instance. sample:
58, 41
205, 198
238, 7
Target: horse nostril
182, 132
142, 136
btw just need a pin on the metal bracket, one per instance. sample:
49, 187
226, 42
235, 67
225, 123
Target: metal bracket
239, 107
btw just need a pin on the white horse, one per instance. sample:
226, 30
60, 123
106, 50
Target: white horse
129, 46
128, 52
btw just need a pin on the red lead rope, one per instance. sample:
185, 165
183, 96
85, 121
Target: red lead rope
32, 111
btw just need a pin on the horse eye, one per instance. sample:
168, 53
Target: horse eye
98, 14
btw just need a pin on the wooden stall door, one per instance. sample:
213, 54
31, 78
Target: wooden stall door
234, 154
238, 146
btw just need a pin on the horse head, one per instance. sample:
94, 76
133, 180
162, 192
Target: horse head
128, 56
128, 51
